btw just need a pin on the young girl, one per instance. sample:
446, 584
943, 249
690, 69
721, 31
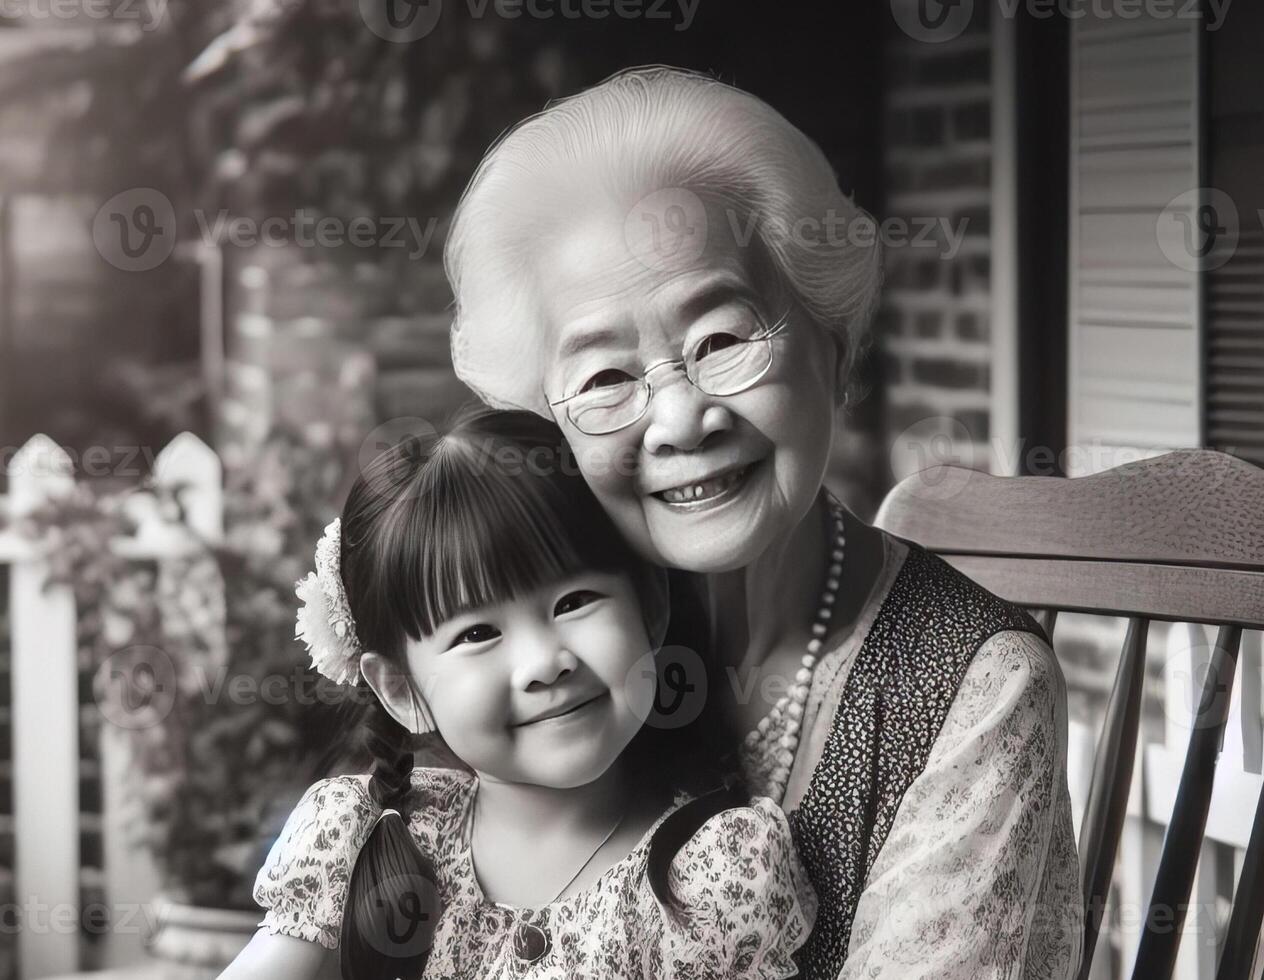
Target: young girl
481, 593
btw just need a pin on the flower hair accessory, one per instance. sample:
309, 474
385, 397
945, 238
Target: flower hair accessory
324, 621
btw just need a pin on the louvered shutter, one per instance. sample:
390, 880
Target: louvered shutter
1235, 351
1133, 371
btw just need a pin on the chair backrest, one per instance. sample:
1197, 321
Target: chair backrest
1178, 537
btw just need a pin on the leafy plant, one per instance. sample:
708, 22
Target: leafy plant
248, 756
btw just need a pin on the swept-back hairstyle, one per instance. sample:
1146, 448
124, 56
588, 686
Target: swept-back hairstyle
641, 131
493, 509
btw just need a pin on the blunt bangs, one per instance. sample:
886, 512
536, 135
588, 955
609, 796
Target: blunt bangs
480, 525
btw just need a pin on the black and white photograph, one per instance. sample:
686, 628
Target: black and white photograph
631, 490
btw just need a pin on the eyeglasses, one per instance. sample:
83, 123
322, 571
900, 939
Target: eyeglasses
721, 371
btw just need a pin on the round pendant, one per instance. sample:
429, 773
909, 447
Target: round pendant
530, 942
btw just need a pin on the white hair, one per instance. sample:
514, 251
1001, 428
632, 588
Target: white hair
642, 130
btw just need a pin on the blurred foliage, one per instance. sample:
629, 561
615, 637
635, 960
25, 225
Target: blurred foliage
299, 105
112, 98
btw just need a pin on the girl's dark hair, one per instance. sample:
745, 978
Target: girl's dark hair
493, 509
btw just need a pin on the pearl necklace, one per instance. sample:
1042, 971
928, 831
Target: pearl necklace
791, 705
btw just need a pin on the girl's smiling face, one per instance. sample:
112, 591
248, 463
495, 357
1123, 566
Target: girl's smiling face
547, 689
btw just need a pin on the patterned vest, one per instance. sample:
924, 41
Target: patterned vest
894, 704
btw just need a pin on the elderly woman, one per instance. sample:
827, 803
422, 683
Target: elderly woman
668, 268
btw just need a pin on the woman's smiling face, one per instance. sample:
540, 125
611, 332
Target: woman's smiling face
546, 689
700, 482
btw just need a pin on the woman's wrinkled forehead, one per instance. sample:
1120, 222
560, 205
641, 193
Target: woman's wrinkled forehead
611, 277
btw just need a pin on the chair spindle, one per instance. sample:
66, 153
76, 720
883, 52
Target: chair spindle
1248, 906
1160, 941
1112, 779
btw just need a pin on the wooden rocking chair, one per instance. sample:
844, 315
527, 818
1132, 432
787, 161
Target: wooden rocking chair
1179, 537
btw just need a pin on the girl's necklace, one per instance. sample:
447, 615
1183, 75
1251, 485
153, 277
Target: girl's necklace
791, 705
570, 881
530, 941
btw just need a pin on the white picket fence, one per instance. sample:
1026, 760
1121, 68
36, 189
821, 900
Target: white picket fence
46, 731
45, 699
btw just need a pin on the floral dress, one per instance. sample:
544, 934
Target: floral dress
750, 900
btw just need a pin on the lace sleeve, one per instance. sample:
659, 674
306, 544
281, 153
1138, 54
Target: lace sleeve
979, 878
303, 883
749, 900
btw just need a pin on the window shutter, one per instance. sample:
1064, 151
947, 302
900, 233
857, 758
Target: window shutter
1133, 369
1235, 351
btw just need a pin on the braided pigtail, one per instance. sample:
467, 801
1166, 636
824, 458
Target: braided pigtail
392, 903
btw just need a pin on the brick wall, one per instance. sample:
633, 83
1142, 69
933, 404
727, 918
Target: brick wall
934, 322
332, 348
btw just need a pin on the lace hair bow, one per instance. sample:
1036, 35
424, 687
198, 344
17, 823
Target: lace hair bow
324, 621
